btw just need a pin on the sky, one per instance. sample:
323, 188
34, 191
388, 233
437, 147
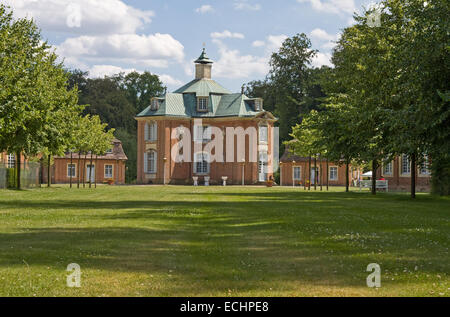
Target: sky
106, 37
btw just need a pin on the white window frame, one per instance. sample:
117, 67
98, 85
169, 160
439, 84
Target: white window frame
202, 163
330, 174
74, 169
405, 163
112, 171
202, 104
388, 168
150, 166
151, 131
299, 176
263, 136
11, 160
202, 133
424, 168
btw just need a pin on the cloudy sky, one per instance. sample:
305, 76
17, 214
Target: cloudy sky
165, 36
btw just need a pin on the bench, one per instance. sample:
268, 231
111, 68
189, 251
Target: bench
379, 184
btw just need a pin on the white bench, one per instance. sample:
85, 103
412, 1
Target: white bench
379, 184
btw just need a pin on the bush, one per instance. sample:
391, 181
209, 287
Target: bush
440, 171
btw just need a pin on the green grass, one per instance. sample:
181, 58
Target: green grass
233, 241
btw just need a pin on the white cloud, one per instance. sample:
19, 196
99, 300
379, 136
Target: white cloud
258, 43
328, 41
322, 59
155, 50
205, 9
100, 71
82, 16
244, 5
332, 6
169, 80
227, 34
274, 42
232, 64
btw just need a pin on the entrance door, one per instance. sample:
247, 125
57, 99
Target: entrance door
262, 166
89, 177
314, 175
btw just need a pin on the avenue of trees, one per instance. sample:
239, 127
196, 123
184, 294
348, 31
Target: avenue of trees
39, 113
388, 92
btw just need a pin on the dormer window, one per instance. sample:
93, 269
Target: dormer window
202, 104
154, 104
258, 104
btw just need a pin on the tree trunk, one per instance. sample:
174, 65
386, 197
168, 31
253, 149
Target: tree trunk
346, 176
78, 168
90, 172
321, 173
18, 170
49, 173
84, 170
328, 177
374, 177
71, 163
95, 176
315, 172
413, 175
309, 181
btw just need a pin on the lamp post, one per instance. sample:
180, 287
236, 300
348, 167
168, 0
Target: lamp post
293, 173
164, 170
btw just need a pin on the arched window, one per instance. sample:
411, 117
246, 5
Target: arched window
201, 163
150, 162
151, 131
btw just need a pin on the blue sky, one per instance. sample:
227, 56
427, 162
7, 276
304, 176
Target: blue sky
164, 37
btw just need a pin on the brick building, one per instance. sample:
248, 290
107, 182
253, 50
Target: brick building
110, 166
191, 116
293, 167
398, 174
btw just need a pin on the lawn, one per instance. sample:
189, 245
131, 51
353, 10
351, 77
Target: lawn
215, 241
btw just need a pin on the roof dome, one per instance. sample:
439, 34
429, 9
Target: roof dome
203, 59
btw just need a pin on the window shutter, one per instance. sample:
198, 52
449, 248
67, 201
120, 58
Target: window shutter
155, 155
146, 132
145, 162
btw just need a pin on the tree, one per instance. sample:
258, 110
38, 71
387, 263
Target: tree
34, 96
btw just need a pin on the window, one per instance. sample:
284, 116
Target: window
109, 151
151, 131
297, 173
71, 170
258, 104
202, 104
11, 160
333, 173
202, 133
108, 171
263, 133
154, 104
387, 168
201, 165
425, 166
150, 160
406, 165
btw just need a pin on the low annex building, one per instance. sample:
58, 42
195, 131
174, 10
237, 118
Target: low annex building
193, 117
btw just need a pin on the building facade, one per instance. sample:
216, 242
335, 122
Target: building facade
204, 132
106, 168
398, 174
298, 171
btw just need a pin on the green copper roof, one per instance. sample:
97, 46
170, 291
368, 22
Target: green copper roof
202, 88
203, 59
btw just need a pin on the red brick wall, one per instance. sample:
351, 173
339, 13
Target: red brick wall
59, 171
398, 181
182, 173
286, 176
